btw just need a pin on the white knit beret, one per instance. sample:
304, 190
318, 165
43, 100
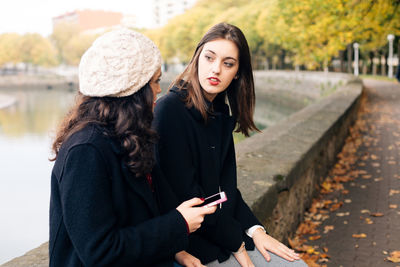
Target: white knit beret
118, 63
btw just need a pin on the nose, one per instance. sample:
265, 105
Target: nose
216, 67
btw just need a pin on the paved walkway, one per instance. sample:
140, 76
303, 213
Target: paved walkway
367, 225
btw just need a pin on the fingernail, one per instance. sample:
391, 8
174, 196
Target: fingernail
202, 198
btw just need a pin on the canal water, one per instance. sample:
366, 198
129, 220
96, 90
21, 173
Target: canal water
26, 131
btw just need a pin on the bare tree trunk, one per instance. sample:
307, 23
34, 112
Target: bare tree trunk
349, 58
383, 64
374, 66
274, 62
341, 58
254, 62
282, 60
364, 66
398, 57
398, 53
370, 62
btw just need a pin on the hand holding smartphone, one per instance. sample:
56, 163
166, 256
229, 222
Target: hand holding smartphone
214, 199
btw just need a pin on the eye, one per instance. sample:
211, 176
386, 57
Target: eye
209, 58
229, 64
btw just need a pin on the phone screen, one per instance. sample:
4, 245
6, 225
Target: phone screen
212, 199
215, 199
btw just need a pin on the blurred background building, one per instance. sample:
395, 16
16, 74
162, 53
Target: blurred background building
164, 10
95, 21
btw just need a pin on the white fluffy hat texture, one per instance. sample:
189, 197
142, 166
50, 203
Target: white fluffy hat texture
118, 63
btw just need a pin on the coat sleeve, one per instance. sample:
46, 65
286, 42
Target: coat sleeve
177, 163
92, 225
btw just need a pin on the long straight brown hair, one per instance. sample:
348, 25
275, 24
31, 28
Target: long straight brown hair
240, 92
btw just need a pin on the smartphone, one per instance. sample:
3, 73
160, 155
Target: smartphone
215, 199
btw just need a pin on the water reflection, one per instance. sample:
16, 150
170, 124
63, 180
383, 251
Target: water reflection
36, 111
24, 169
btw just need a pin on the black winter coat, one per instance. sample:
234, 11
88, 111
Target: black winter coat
198, 159
101, 215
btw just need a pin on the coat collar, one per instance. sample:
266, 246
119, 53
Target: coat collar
215, 108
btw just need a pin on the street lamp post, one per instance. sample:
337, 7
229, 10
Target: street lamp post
356, 45
390, 38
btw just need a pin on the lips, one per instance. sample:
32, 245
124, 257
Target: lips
213, 80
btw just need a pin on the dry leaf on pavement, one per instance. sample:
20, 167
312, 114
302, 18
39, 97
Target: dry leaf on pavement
393, 191
394, 256
328, 228
362, 235
368, 221
336, 206
377, 214
314, 237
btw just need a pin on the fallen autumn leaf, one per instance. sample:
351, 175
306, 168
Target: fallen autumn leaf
362, 235
314, 237
393, 191
394, 256
341, 214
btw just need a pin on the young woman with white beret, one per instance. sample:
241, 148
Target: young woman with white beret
106, 190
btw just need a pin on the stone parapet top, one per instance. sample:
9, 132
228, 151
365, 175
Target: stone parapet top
272, 161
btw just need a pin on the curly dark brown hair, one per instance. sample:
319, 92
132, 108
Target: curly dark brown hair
127, 119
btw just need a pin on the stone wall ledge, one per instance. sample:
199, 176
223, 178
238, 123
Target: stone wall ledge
278, 169
40, 81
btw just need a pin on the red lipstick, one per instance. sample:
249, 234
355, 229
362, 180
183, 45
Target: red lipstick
213, 80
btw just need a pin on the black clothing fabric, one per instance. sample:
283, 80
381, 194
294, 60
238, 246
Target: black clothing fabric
101, 215
198, 159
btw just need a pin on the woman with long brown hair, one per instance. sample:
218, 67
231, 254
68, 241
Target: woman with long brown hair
213, 96
106, 189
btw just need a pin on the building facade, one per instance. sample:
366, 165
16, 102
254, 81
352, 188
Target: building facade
164, 10
95, 20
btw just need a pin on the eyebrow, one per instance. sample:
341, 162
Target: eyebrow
208, 50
